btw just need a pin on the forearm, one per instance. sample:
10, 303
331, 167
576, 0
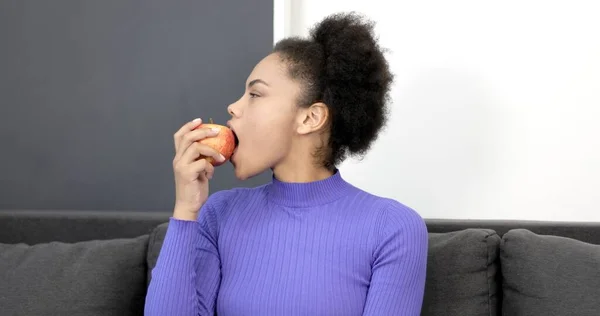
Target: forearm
407, 303
172, 290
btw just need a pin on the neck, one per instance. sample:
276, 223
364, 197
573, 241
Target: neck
300, 169
304, 194
302, 175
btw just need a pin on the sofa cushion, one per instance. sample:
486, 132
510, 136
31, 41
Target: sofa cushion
462, 274
549, 275
100, 277
157, 238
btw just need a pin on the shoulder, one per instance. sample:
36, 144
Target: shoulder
220, 205
401, 233
395, 220
399, 216
388, 209
220, 202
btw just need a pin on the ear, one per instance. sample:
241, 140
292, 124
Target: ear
313, 119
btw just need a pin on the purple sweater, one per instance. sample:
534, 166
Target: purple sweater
319, 248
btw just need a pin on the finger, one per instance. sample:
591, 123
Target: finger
195, 170
193, 137
184, 129
197, 150
209, 170
201, 169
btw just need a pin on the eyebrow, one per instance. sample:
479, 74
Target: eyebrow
256, 81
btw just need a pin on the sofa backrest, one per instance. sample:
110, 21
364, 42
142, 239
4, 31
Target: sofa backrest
38, 226
583, 231
532, 267
35, 226
464, 271
74, 262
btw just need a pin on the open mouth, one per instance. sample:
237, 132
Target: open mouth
236, 139
236, 142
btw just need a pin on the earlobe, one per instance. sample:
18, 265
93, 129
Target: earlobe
313, 118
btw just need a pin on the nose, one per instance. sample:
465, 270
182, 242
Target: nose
234, 109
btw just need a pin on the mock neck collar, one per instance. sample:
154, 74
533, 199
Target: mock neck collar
307, 194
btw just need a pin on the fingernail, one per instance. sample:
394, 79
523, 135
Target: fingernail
197, 120
222, 158
215, 130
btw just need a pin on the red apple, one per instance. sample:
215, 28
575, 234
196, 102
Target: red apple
224, 142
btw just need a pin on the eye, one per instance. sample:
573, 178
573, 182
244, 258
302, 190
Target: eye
253, 95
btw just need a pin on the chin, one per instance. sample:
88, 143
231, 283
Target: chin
240, 175
245, 173
240, 172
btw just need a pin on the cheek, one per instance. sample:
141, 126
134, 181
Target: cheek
270, 121
264, 147
269, 134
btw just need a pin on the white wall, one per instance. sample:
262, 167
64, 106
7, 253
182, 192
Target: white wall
496, 111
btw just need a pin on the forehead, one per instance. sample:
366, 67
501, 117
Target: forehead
272, 70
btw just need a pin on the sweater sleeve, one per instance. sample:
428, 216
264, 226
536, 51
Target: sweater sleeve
187, 275
398, 272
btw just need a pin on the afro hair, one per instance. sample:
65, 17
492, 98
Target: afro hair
342, 65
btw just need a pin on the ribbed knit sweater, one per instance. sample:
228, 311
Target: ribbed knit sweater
317, 248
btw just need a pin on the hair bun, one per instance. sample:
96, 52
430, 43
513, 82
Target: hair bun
355, 66
342, 66
337, 32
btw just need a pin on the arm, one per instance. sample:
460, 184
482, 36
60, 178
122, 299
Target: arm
398, 271
187, 275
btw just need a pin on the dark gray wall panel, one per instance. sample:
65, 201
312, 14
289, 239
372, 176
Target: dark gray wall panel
91, 93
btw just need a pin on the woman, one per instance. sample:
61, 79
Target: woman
309, 243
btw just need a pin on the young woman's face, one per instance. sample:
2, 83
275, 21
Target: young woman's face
264, 118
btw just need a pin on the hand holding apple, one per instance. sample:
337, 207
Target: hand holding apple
197, 147
224, 142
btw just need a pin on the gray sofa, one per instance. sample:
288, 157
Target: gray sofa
99, 263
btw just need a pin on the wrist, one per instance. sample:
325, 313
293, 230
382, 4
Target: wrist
185, 213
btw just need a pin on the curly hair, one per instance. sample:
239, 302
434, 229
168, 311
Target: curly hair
342, 65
